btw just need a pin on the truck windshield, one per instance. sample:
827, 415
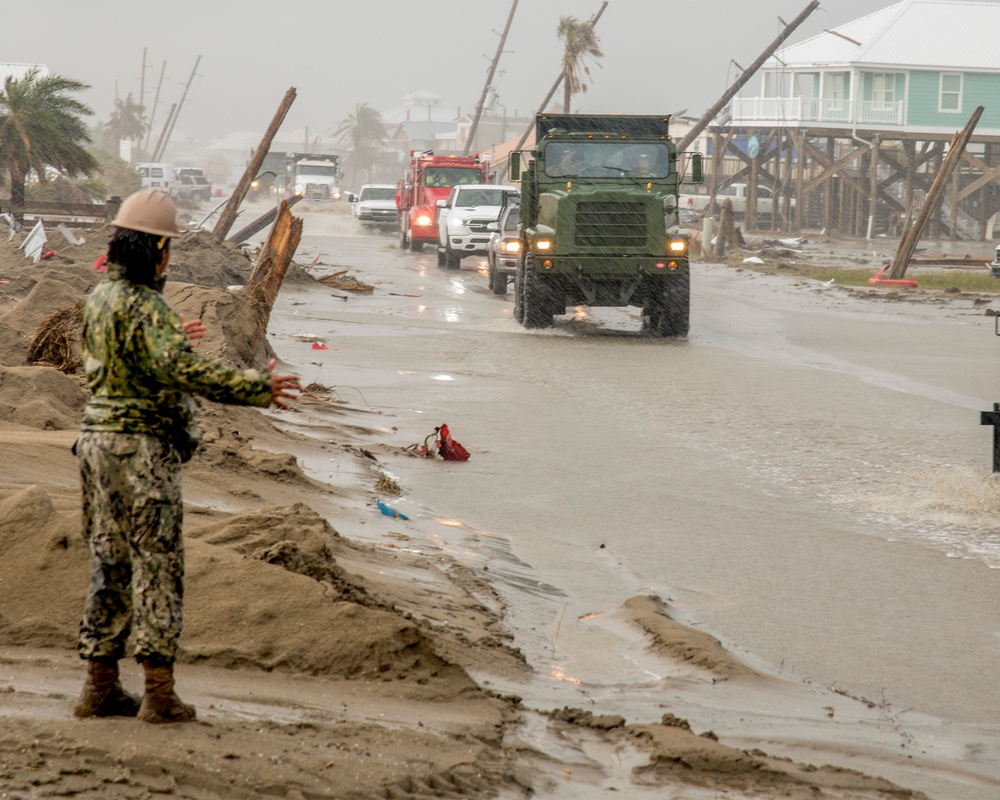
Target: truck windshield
317, 169
451, 176
607, 159
377, 193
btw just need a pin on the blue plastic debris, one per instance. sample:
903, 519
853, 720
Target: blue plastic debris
389, 511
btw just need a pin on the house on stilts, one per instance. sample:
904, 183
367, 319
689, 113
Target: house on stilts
847, 129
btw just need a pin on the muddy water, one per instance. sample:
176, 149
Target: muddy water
805, 476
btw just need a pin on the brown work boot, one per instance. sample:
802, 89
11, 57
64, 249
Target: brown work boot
103, 695
159, 703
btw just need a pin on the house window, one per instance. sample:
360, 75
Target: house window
836, 85
883, 87
950, 96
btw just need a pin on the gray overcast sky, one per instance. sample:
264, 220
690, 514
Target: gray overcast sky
660, 56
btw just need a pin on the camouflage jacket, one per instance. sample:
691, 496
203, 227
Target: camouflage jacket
142, 370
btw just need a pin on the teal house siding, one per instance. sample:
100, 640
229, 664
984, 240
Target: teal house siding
978, 89
922, 102
981, 89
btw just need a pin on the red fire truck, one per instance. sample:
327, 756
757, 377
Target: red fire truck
430, 178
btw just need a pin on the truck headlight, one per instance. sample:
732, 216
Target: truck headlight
543, 244
677, 246
423, 219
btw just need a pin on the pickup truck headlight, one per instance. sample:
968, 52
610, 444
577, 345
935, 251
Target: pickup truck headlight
512, 246
677, 247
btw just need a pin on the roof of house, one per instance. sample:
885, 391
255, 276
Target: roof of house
927, 34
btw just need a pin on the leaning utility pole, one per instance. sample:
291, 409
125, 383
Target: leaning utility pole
748, 73
163, 133
152, 114
908, 241
178, 112
489, 81
553, 90
228, 215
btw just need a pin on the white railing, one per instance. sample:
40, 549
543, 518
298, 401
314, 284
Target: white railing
881, 113
815, 109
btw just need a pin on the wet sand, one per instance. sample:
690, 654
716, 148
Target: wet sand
325, 665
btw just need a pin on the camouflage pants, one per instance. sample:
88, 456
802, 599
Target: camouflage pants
132, 517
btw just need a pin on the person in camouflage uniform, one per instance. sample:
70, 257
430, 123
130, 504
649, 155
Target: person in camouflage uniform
138, 428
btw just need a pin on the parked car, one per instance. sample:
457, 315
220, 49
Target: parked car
463, 217
375, 204
504, 248
193, 183
158, 176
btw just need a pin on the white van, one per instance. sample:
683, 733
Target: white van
158, 176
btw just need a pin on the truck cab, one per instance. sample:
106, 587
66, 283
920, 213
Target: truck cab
464, 219
314, 177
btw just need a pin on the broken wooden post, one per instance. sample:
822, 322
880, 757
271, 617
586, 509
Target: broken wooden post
269, 270
260, 223
228, 215
727, 234
911, 236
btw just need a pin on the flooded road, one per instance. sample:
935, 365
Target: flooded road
805, 476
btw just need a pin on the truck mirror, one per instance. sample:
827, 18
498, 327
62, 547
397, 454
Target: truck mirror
441, 204
515, 166
696, 173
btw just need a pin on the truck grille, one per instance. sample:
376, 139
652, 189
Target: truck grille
317, 191
610, 224
478, 225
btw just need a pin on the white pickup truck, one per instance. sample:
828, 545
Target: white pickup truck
463, 220
735, 192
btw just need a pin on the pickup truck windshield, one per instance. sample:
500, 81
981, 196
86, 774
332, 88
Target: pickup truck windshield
607, 159
377, 193
467, 198
451, 176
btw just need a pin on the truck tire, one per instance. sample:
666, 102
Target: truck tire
536, 300
491, 272
498, 281
440, 255
404, 239
416, 247
452, 260
667, 310
519, 293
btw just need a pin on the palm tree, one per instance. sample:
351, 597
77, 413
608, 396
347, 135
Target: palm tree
364, 132
580, 43
41, 126
125, 122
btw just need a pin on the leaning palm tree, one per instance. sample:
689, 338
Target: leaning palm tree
364, 133
41, 126
579, 43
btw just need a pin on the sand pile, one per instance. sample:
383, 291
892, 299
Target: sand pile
265, 589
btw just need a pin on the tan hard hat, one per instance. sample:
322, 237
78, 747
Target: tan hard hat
149, 211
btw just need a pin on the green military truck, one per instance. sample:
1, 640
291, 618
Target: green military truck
599, 224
